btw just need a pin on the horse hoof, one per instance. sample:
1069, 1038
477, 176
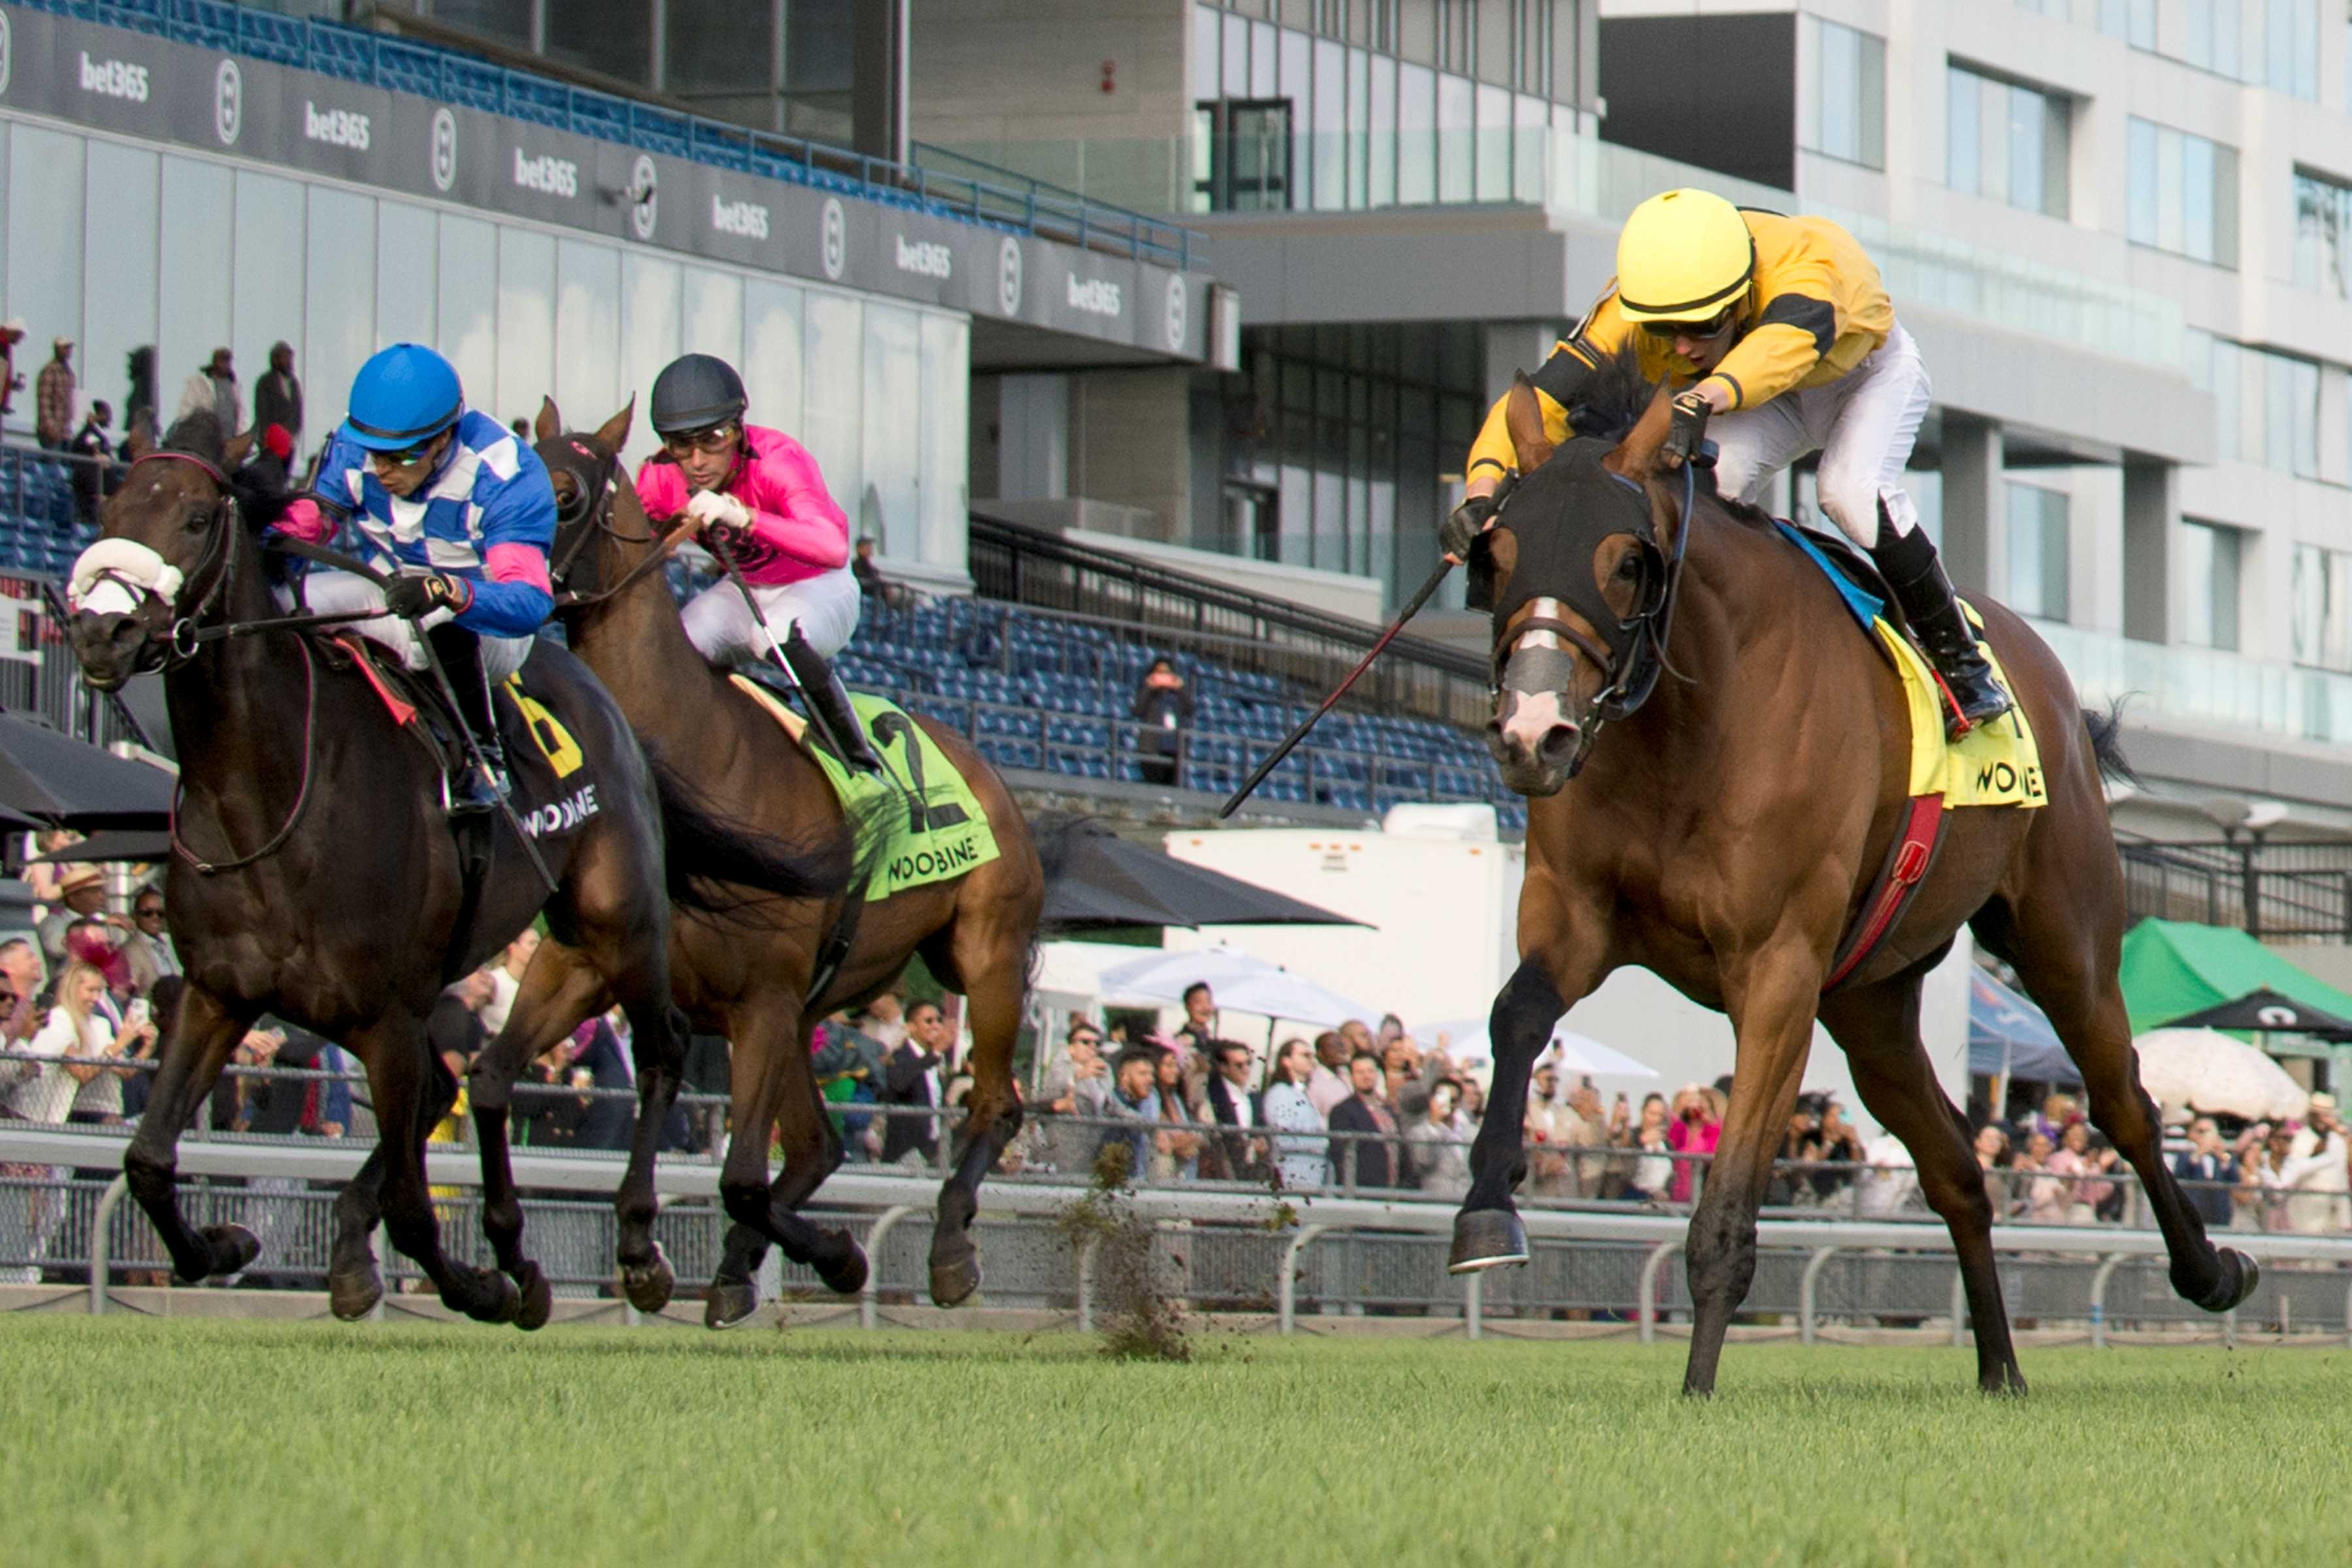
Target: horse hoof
486, 1295
729, 1302
1486, 1238
845, 1275
648, 1285
538, 1298
954, 1279
2240, 1276
234, 1247
353, 1296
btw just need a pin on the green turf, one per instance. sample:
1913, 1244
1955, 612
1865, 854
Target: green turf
148, 1442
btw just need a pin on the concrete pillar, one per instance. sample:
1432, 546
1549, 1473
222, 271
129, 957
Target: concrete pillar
1512, 347
1033, 452
1976, 506
877, 99
2151, 541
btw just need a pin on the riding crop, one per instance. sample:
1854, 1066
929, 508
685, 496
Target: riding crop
726, 558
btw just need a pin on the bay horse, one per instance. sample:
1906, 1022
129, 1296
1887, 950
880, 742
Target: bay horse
337, 895
751, 977
1727, 832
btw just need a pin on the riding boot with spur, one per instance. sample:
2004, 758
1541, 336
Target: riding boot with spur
830, 700
1910, 566
461, 657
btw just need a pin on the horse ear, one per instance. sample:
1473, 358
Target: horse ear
1636, 457
141, 441
1523, 417
234, 450
613, 434
549, 423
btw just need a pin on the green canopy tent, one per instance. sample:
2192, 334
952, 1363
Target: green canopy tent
2173, 967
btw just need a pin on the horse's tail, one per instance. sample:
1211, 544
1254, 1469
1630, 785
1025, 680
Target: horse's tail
710, 852
2105, 730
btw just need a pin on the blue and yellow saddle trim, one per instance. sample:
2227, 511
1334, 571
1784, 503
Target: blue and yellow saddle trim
1997, 764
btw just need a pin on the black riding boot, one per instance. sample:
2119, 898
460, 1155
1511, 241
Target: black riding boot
830, 700
461, 657
1908, 563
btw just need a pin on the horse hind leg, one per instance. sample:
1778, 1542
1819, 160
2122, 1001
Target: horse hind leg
991, 961
202, 1034
1879, 1028
657, 1037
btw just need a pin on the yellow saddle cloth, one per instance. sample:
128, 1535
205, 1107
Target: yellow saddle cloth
1993, 764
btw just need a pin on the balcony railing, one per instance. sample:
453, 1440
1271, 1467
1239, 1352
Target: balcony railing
2275, 892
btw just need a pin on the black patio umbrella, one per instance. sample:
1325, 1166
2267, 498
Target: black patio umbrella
2267, 1009
72, 783
115, 844
1095, 879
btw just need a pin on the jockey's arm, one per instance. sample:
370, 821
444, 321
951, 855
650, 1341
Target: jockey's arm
339, 474
1557, 380
793, 512
512, 597
1802, 314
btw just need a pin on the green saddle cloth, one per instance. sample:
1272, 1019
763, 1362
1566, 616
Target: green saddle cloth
895, 851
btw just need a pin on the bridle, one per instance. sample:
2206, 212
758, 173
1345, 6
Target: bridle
1631, 649
216, 570
589, 511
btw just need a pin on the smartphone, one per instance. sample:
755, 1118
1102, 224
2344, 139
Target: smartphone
137, 1013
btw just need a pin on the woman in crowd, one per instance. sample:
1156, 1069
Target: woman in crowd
1695, 1130
1175, 1153
1439, 1144
1835, 1143
2047, 1191
2262, 1176
1993, 1159
1654, 1170
1298, 1147
2084, 1167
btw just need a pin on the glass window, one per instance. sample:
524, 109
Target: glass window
587, 332
121, 274
44, 197
2006, 141
2038, 551
526, 346
2140, 215
1457, 139
944, 453
1531, 148
1262, 61
1208, 33
713, 322
2278, 417
467, 302
1963, 128
885, 506
833, 407
2228, 27
1329, 157
2198, 197
2210, 565
650, 330
406, 266
720, 56
1381, 160
2302, 396
1359, 117
2026, 132
772, 353
338, 308
267, 295
2229, 399
2323, 222
2183, 193
1416, 135
614, 37
1845, 113
506, 19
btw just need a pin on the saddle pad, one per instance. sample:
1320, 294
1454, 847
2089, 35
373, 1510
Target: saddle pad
953, 837
1993, 764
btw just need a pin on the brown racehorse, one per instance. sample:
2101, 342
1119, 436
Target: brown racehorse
748, 976
1727, 831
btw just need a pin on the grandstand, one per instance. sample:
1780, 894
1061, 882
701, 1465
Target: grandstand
40, 531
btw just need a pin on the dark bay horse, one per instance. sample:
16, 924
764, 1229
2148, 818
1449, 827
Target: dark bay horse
334, 892
749, 976
1725, 832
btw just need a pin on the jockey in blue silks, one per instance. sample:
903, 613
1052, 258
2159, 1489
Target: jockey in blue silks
459, 513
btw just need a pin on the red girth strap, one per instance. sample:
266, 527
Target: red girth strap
1907, 860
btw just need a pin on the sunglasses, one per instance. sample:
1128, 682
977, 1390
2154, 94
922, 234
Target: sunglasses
412, 458
715, 439
1711, 328
148, 914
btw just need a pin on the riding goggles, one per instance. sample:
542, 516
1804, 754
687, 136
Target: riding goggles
1701, 330
407, 457
714, 439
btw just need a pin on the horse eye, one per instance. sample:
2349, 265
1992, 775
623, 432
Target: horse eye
1630, 568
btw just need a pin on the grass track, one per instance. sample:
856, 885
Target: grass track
170, 1443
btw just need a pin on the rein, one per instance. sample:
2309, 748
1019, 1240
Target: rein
592, 513
301, 793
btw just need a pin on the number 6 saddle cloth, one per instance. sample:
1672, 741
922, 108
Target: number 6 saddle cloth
895, 851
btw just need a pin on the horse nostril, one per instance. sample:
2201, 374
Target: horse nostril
1558, 748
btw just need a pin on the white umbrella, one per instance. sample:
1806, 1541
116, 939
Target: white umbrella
1237, 981
2205, 1070
1568, 1050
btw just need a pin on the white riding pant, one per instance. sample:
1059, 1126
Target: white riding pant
1863, 423
824, 607
336, 593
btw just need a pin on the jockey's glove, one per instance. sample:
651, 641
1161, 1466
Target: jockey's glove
1464, 524
415, 594
1687, 429
709, 507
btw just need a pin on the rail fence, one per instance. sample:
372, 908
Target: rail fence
1295, 1258
2274, 891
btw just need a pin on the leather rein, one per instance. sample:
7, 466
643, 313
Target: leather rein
590, 512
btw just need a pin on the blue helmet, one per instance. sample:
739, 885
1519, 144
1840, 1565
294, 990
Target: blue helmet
404, 396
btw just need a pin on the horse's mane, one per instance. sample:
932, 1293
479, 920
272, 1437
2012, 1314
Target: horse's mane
259, 483
1611, 402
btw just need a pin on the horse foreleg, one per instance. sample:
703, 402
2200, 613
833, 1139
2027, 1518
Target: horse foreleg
774, 1087
1879, 1028
203, 1032
1772, 1008
1487, 1231
995, 985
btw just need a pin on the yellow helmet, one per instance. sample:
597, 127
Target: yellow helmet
1682, 256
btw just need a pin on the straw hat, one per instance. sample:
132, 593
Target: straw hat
78, 874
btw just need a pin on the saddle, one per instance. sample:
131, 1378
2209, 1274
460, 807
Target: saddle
415, 704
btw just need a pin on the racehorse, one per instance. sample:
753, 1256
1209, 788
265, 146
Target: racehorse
316, 875
1726, 834
751, 977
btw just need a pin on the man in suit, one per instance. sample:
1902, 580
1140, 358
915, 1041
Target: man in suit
2210, 1171
1364, 1110
1238, 1154
913, 1074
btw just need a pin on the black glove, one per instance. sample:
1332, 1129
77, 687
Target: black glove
415, 594
1688, 429
1463, 525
